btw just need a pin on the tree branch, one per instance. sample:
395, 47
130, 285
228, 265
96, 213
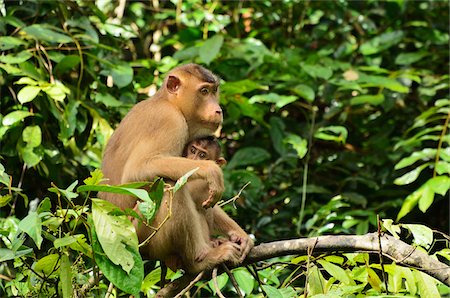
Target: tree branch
395, 249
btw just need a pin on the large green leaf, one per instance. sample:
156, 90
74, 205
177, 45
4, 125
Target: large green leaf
115, 233
210, 49
279, 100
14, 117
47, 33
28, 93
245, 280
132, 189
32, 225
381, 42
248, 156
127, 282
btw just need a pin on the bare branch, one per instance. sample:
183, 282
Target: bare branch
395, 249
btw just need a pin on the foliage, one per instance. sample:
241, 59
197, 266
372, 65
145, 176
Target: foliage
336, 112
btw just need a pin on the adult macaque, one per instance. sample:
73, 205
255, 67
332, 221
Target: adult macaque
149, 142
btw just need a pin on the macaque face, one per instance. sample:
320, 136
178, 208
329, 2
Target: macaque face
208, 108
196, 152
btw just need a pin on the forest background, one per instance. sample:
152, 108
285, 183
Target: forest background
336, 112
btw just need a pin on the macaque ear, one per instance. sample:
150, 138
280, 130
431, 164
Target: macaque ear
173, 84
221, 161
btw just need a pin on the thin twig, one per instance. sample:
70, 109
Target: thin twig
233, 280
110, 289
191, 284
380, 254
235, 197
216, 285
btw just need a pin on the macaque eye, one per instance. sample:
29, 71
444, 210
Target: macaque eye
204, 91
202, 155
192, 150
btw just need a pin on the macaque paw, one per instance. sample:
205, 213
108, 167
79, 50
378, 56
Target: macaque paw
245, 244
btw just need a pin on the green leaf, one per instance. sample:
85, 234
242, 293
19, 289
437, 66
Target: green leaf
279, 100
210, 49
439, 184
382, 82
148, 210
121, 72
57, 91
245, 280
67, 63
425, 155
14, 117
65, 241
28, 93
183, 180
316, 281
221, 282
332, 133
393, 229
317, 71
273, 292
409, 203
46, 33
47, 265
381, 42
337, 272
367, 99
423, 235
8, 254
239, 87
107, 99
116, 234
9, 42
300, 145
68, 193
95, 179
32, 135
129, 283
16, 58
32, 225
131, 189
65, 275
304, 91
409, 58
411, 176
248, 156
30, 158
426, 284
5, 199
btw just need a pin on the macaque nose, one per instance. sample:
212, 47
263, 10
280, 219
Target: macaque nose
219, 111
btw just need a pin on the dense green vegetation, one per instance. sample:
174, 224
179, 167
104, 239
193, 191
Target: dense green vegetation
336, 111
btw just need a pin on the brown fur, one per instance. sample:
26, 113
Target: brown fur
149, 142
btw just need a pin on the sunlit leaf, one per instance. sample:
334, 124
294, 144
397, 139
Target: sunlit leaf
47, 265
28, 93
337, 272
127, 282
32, 135
423, 235
116, 234
367, 99
305, 91
299, 144
411, 176
245, 280
15, 117
183, 180
332, 133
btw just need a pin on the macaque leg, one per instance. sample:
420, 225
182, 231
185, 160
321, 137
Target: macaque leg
223, 224
199, 253
184, 240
